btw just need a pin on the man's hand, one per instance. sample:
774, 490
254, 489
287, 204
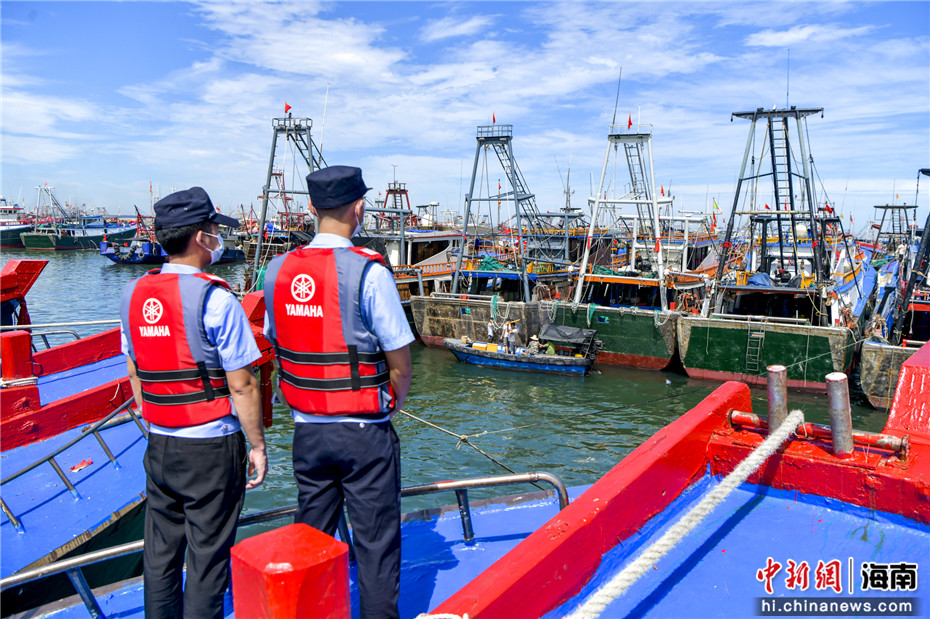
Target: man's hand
258, 466
243, 388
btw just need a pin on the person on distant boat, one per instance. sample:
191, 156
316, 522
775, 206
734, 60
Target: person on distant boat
533, 347
490, 330
512, 339
189, 349
550, 349
337, 306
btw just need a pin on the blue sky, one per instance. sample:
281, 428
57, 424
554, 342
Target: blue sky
101, 98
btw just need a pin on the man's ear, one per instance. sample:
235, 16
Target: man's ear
313, 210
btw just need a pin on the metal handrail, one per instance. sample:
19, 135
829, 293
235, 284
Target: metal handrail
58, 324
44, 335
50, 458
458, 486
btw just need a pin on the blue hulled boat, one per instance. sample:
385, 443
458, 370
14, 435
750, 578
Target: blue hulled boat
579, 350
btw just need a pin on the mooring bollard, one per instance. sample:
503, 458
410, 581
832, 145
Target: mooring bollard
777, 395
840, 414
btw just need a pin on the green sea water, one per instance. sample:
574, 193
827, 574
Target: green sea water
576, 428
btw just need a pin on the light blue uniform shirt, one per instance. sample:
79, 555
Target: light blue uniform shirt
229, 330
382, 314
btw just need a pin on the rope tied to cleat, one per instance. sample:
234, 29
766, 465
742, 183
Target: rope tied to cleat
618, 585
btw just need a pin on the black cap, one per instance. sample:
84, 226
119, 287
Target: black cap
188, 207
335, 186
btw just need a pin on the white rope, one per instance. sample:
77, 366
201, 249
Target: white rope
657, 322
618, 585
441, 616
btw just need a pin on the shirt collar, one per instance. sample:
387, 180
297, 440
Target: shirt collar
328, 240
186, 269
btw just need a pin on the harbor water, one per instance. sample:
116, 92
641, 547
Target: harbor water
575, 428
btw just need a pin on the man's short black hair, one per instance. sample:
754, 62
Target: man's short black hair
174, 240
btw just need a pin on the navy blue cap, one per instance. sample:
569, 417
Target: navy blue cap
335, 186
188, 207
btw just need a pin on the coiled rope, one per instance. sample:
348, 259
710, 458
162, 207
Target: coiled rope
595, 605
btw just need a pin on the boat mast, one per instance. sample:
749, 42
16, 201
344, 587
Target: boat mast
297, 132
637, 147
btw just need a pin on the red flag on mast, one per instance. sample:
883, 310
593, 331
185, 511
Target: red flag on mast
629, 122
493, 118
287, 108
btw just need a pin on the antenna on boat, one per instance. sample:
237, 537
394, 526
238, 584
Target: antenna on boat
787, 77
323, 124
613, 121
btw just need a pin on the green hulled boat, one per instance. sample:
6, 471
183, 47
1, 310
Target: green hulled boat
66, 237
792, 289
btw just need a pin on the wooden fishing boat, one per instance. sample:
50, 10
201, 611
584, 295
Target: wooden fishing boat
583, 352
796, 290
901, 322
702, 521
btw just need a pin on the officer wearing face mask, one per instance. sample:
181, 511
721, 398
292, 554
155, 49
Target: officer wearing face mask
342, 344
189, 350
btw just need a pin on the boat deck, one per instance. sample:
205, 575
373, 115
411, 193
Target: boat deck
70, 382
436, 561
712, 572
52, 518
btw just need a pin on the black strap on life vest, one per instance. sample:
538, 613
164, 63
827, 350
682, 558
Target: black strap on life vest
205, 379
170, 376
329, 358
355, 377
335, 384
184, 398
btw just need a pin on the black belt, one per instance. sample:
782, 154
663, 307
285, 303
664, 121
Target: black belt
330, 358
184, 398
335, 384
170, 376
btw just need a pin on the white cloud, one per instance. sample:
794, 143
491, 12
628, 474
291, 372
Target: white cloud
803, 34
450, 27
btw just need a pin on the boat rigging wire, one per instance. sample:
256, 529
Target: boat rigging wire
618, 585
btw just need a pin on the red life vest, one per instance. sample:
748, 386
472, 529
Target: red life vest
183, 381
329, 362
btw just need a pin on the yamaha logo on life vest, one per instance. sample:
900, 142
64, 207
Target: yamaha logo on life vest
151, 313
302, 289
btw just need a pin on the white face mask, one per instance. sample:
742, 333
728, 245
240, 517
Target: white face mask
215, 254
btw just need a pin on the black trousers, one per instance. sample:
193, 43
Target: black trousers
358, 463
195, 488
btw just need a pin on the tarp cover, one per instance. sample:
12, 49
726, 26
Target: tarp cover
564, 333
760, 279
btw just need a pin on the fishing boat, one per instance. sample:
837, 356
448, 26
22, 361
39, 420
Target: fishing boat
581, 355
72, 469
71, 442
795, 509
725, 512
792, 288
13, 222
638, 271
901, 322
69, 231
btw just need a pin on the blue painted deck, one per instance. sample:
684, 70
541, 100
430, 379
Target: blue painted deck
712, 572
50, 514
64, 384
436, 562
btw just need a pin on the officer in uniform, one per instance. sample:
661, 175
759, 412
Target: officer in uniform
189, 348
342, 343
